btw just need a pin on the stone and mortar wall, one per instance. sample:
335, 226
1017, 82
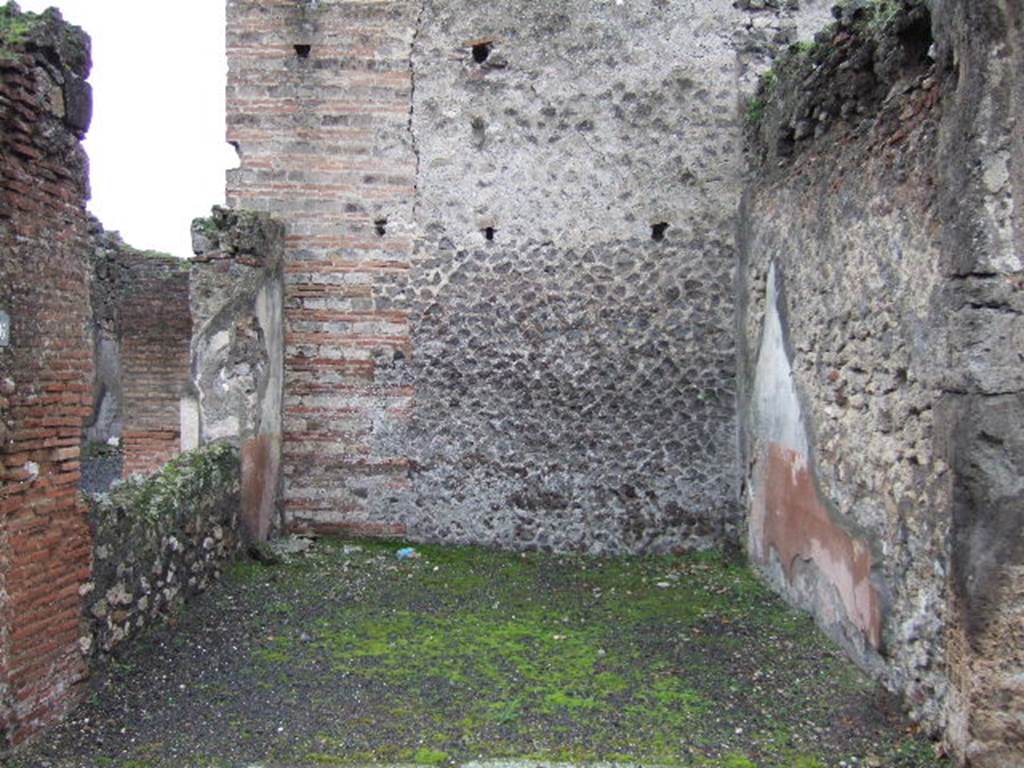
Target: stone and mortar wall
141, 329
45, 367
484, 342
161, 540
982, 209
109, 276
155, 333
880, 323
237, 292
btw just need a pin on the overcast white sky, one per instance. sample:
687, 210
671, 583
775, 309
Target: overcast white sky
156, 145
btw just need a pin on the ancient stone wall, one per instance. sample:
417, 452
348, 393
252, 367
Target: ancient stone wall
981, 194
161, 540
880, 320
238, 351
108, 278
46, 366
155, 333
318, 104
509, 260
141, 330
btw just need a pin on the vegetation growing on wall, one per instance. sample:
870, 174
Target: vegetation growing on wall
841, 75
15, 25
46, 30
165, 496
162, 538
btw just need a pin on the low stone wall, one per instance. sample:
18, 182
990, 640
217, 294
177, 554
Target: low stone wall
160, 541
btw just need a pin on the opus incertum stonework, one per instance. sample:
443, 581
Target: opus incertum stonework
594, 277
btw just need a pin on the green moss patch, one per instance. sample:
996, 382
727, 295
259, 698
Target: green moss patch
15, 26
173, 490
350, 656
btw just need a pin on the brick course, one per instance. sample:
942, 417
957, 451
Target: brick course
319, 138
45, 376
155, 335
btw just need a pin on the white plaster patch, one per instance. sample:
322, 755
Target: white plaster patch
189, 410
218, 341
777, 413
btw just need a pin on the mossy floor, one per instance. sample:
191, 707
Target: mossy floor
349, 655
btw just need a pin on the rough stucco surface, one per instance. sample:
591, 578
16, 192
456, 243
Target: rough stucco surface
238, 353
575, 377
905, 360
982, 193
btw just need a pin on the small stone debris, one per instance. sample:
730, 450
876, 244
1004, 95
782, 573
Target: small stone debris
292, 545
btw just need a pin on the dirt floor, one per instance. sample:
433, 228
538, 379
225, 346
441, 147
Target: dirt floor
350, 655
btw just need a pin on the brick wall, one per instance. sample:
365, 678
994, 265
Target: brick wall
323, 140
566, 381
45, 372
156, 329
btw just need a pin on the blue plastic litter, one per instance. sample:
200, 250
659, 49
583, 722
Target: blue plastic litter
405, 553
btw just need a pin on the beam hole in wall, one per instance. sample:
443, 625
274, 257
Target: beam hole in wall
786, 145
917, 41
479, 131
302, 51
488, 233
481, 51
380, 226
658, 231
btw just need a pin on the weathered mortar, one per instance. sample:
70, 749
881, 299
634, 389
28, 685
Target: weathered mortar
140, 328
981, 193
161, 540
236, 297
877, 175
45, 367
484, 341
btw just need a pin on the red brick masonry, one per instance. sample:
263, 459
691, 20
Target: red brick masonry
156, 331
45, 381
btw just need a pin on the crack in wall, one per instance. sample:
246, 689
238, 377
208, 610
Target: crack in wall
414, 143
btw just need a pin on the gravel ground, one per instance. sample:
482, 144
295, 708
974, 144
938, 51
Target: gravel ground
349, 655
